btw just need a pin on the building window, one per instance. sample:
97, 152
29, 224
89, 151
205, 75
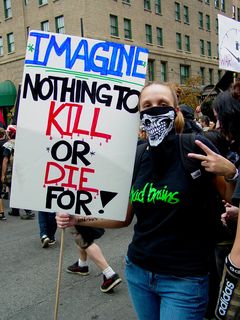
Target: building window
233, 12
147, 4
26, 2
7, 9
208, 23
59, 21
151, 71
114, 25
184, 73
211, 80
127, 29
163, 71
159, 36
10, 42
45, 26
187, 43
202, 75
127, 1
1, 46
27, 31
202, 47
209, 48
179, 41
177, 11
223, 5
158, 8
186, 14
216, 3
148, 30
41, 2
207, 1
216, 25
238, 14
200, 20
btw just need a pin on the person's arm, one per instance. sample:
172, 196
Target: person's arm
4, 169
235, 252
65, 220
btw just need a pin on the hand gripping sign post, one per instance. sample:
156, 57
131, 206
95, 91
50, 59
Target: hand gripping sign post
77, 125
228, 306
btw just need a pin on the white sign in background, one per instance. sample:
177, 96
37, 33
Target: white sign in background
229, 43
77, 125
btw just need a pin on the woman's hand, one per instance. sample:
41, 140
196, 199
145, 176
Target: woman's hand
213, 162
230, 215
65, 220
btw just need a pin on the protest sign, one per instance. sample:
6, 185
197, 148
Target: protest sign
229, 44
77, 125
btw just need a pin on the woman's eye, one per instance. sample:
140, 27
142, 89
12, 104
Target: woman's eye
164, 104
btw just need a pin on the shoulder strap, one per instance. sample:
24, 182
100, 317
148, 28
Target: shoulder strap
139, 153
187, 145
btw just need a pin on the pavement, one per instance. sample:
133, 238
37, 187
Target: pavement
28, 276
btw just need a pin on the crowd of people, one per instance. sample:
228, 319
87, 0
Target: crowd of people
185, 249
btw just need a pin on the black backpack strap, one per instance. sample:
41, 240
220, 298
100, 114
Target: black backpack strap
139, 153
187, 145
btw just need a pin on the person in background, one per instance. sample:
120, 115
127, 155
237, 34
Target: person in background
204, 122
84, 238
3, 140
190, 124
7, 165
47, 227
142, 136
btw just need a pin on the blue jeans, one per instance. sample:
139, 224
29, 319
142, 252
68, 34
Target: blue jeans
166, 297
47, 224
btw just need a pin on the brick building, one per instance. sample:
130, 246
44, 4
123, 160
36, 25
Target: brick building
181, 35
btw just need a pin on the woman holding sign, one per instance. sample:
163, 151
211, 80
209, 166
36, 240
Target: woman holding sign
167, 261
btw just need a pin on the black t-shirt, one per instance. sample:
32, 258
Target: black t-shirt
173, 230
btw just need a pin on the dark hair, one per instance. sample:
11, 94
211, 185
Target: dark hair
205, 119
218, 139
228, 112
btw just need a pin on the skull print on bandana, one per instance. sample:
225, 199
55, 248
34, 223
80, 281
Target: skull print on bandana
158, 122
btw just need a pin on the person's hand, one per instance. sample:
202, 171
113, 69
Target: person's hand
213, 162
231, 214
65, 220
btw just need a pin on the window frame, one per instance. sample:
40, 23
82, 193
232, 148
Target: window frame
42, 25
147, 5
159, 32
186, 14
7, 9
10, 44
148, 27
114, 29
127, 30
177, 11
178, 41
58, 28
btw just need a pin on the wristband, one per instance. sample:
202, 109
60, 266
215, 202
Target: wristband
234, 178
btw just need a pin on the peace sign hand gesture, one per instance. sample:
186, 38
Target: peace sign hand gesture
213, 162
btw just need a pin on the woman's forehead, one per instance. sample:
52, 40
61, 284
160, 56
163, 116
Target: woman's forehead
157, 90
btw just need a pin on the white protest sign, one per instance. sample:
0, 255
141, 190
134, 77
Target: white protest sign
77, 125
229, 44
